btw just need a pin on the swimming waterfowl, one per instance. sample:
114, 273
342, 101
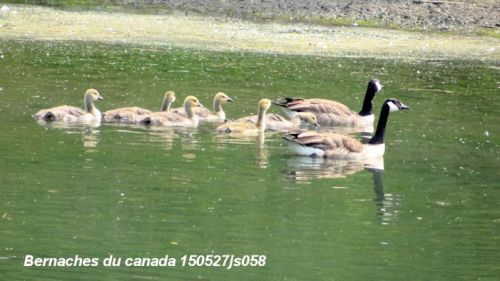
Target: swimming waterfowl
248, 128
276, 122
71, 114
333, 113
171, 119
204, 114
338, 146
134, 113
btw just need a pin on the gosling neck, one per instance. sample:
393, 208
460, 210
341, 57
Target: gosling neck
378, 138
261, 122
296, 121
367, 108
89, 104
218, 109
165, 106
190, 114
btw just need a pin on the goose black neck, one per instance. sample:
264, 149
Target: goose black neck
378, 138
367, 108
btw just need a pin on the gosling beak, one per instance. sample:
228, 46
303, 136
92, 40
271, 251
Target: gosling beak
100, 98
229, 99
317, 125
200, 105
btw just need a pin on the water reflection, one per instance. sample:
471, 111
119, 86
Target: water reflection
90, 139
306, 169
262, 151
385, 203
90, 133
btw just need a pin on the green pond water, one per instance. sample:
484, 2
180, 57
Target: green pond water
432, 214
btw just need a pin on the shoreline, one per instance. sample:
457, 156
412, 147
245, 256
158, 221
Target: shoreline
23, 22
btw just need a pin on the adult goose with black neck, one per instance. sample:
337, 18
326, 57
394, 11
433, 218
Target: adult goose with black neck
338, 146
332, 113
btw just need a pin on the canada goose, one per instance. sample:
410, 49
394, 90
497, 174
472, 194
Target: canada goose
66, 113
248, 128
337, 146
204, 114
171, 119
134, 113
276, 122
332, 113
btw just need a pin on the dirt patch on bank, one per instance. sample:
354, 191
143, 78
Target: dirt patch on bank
458, 15
223, 34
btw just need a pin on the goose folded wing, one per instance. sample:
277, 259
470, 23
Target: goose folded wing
327, 141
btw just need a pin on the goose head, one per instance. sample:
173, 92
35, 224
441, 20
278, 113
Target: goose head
93, 94
222, 98
308, 117
90, 96
395, 104
192, 101
374, 85
264, 104
169, 96
168, 99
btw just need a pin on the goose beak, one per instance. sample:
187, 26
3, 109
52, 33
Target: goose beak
317, 125
100, 98
200, 105
404, 106
229, 99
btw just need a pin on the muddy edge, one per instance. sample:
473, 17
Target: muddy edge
452, 15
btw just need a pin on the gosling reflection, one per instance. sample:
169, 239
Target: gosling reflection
166, 137
262, 152
89, 131
90, 139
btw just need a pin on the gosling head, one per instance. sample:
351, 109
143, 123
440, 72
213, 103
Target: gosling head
264, 104
192, 101
374, 85
309, 118
395, 104
223, 98
93, 94
170, 96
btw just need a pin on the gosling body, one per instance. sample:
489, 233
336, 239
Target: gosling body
276, 122
205, 114
171, 119
72, 114
131, 115
248, 128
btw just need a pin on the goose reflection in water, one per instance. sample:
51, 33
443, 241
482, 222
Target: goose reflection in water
306, 169
262, 152
89, 132
166, 136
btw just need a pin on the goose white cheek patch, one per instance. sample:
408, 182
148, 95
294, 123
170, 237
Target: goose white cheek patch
392, 106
